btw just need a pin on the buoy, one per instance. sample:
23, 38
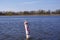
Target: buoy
27, 30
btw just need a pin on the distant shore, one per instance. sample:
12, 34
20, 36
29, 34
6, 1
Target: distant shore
31, 13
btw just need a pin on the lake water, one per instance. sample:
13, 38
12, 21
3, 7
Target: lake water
41, 27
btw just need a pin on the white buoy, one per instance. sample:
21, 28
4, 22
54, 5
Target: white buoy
27, 30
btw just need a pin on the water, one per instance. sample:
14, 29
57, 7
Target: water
41, 27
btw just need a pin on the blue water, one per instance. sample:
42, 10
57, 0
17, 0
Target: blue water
41, 27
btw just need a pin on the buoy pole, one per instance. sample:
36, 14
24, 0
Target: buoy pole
27, 30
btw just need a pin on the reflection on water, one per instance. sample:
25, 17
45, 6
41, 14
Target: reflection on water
41, 27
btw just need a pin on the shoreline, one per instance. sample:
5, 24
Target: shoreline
33, 15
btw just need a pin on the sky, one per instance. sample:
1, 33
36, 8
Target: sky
29, 5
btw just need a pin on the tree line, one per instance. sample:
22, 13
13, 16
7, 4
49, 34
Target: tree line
38, 12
